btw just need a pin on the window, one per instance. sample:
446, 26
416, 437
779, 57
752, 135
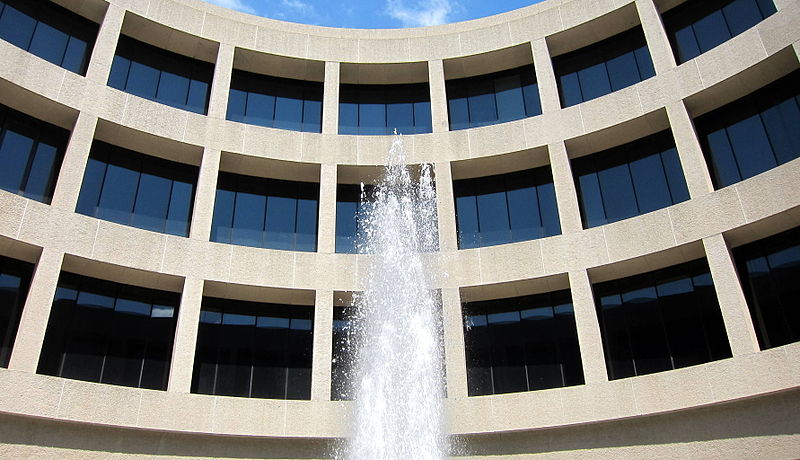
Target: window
506, 208
381, 109
495, 98
49, 31
343, 353
160, 75
599, 69
275, 102
133, 189
770, 271
31, 152
351, 204
15, 278
661, 320
265, 213
521, 344
254, 350
695, 27
629, 180
106, 332
754, 134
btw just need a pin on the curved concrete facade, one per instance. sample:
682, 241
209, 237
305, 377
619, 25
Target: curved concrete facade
737, 407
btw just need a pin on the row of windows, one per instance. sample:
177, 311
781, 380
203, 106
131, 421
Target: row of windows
108, 332
66, 39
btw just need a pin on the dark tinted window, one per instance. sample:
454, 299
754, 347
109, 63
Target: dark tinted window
382, 109
769, 270
610, 65
49, 31
31, 152
254, 350
522, 343
350, 204
15, 278
695, 27
343, 353
108, 332
265, 213
493, 98
160, 75
661, 320
506, 208
130, 188
275, 102
629, 180
753, 134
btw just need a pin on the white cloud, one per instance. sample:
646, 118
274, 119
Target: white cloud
234, 5
298, 5
422, 13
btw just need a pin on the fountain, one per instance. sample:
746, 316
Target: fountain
398, 365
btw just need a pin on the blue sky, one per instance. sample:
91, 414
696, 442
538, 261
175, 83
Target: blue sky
378, 14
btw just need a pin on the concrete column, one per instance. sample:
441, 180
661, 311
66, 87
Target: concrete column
439, 115
326, 228
330, 99
180, 371
545, 76
68, 185
695, 170
454, 351
106, 45
220, 86
588, 327
205, 195
566, 194
36, 312
732, 303
323, 347
445, 207
656, 36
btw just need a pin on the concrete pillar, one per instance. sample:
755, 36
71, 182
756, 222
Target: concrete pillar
70, 177
323, 347
545, 76
454, 351
732, 303
656, 36
695, 170
220, 86
439, 115
180, 371
445, 207
106, 45
205, 195
588, 327
330, 99
326, 227
566, 194
36, 312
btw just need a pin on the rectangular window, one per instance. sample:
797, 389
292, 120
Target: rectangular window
107, 332
521, 344
265, 213
31, 152
130, 188
753, 134
160, 75
254, 350
629, 180
506, 208
343, 354
382, 109
493, 98
351, 203
769, 270
695, 27
604, 67
15, 278
49, 31
275, 102
661, 320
